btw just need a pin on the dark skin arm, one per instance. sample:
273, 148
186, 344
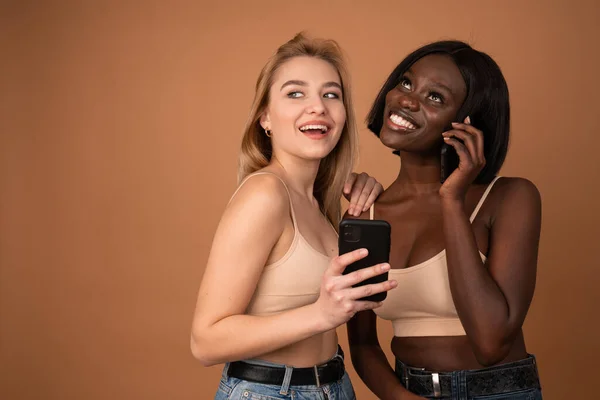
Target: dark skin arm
368, 358
492, 300
370, 361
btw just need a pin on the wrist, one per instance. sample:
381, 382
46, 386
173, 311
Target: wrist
452, 203
317, 315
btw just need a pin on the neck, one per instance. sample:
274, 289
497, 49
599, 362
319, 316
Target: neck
418, 174
300, 173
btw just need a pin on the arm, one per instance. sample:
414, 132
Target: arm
491, 302
247, 232
369, 360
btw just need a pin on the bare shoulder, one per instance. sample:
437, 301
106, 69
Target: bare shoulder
516, 196
516, 189
262, 196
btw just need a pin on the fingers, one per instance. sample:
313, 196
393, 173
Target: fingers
377, 190
364, 273
339, 263
467, 142
475, 133
357, 189
363, 197
368, 290
349, 184
461, 150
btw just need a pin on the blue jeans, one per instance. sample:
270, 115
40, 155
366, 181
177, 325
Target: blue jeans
234, 388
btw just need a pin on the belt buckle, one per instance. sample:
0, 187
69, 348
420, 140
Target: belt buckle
437, 390
317, 380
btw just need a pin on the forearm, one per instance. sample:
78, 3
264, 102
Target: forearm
239, 337
480, 304
371, 364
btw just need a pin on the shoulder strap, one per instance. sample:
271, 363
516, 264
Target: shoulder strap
284, 185
485, 194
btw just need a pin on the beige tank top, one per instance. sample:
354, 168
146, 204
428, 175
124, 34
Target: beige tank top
421, 304
294, 280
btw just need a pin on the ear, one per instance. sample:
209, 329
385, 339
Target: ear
265, 121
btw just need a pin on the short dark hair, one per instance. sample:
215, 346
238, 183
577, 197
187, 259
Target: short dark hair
486, 102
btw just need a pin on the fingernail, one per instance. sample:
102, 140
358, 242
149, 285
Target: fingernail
455, 124
363, 252
385, 267
468, 120
446, 138
394, 283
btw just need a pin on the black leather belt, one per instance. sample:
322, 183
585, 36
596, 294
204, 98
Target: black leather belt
330, 372
505, 378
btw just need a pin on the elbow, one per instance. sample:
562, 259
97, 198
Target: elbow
491, 352
201, 351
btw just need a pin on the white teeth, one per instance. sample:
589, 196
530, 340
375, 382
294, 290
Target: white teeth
398, 120
323, 128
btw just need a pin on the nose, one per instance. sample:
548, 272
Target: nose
409, 102
316, 106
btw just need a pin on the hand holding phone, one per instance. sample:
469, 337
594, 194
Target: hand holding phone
463, 158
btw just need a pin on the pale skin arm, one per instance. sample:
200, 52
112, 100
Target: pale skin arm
247, 232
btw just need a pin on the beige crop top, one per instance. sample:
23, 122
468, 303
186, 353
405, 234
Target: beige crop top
421, 304
294, 280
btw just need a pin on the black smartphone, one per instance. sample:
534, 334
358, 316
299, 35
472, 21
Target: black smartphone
449, 161
373, 235
449, 157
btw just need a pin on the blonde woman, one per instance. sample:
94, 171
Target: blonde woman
274, 292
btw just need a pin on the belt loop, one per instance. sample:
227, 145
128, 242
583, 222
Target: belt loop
317, 380
225, 370
463, 384
340, 352
437, 389
287, 378
406, 376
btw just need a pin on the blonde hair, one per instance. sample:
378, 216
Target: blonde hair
335, 168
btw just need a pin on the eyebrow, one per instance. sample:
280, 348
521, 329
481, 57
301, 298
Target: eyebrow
435, 83
302, 83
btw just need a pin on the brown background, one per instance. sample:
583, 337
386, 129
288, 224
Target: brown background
120, 124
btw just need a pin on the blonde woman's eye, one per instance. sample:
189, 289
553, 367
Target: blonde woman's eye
295, 94
332, 96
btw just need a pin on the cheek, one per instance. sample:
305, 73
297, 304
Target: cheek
338, 114
283, 114
440, 120
390, 97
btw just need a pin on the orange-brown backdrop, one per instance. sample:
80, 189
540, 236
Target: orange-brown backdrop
119, 130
